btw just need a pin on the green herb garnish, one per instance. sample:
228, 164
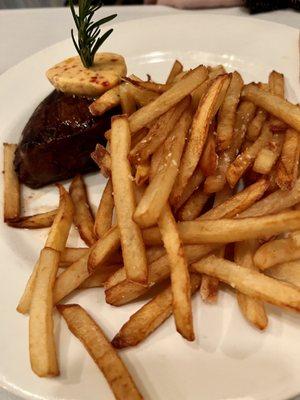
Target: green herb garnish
88, 31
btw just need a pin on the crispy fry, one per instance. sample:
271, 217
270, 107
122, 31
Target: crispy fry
109, 100
70, 254
205, 113
252, 309
102, 158
131, 239
276, 84
103, 220
175, 70
244, 115
142, 97
226, 115
268, 156
142, 172
276, 252
152, 86
209, 159
158, 132
256, 125
126, 291
83, 218
12, 197
159, 189
56, 240
100, 277
127, 101
288, 272
41, 337
287, 168
180, 278
193, 206
148, 318
167, 100
250, 282
98, 346
236, 170
275, 105
37, 221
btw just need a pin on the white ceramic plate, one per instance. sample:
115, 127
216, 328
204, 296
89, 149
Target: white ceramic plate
229, 359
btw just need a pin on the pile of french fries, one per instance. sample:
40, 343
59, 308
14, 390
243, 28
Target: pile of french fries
203, 187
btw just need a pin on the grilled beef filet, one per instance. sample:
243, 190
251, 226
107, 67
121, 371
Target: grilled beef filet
58, 139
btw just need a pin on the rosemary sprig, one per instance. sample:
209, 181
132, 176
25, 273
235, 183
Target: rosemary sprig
88, 31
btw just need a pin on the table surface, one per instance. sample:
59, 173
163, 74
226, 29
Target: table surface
43, 27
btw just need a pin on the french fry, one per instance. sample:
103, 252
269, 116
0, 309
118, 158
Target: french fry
56, 240
175, 70
180, 278
83, 218
256, 125
243, 161
127, 101
276, 252
167, 100
276, 84
133, 249
37, 221
159, 189
103, 220
125, 291
226, 115
102, 158
268, 156
252, 309
142, 172
205, 113
288, 272
100, 277
41, 337
274, 203
98, 346
152, 86
250, 282
149, 317
209, 159
158, 132
193, 206
287, 168
142, 97
12, 197
244, 115
108, 100
70, 254
275, 105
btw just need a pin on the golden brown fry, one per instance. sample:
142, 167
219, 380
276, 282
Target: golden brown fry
152, 86
244, 115
209, 159
71, 254
252, 309
250, 282
276, 84
12, 197
193, 184
102, 158
98, 346
142, 97
107, 101
83, 218
226, 115
276, 252
142, 172
159, 189
256, 125
205, 113
56, 240
41, 336
103, 220
37, 221
133, 248
149, 317
236, 170
180, 278
125, 291
175, 70
167, 100
275, 105
287, 168
268, 156
288, 272
158, 132
100, 277
193, 206
127, 101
